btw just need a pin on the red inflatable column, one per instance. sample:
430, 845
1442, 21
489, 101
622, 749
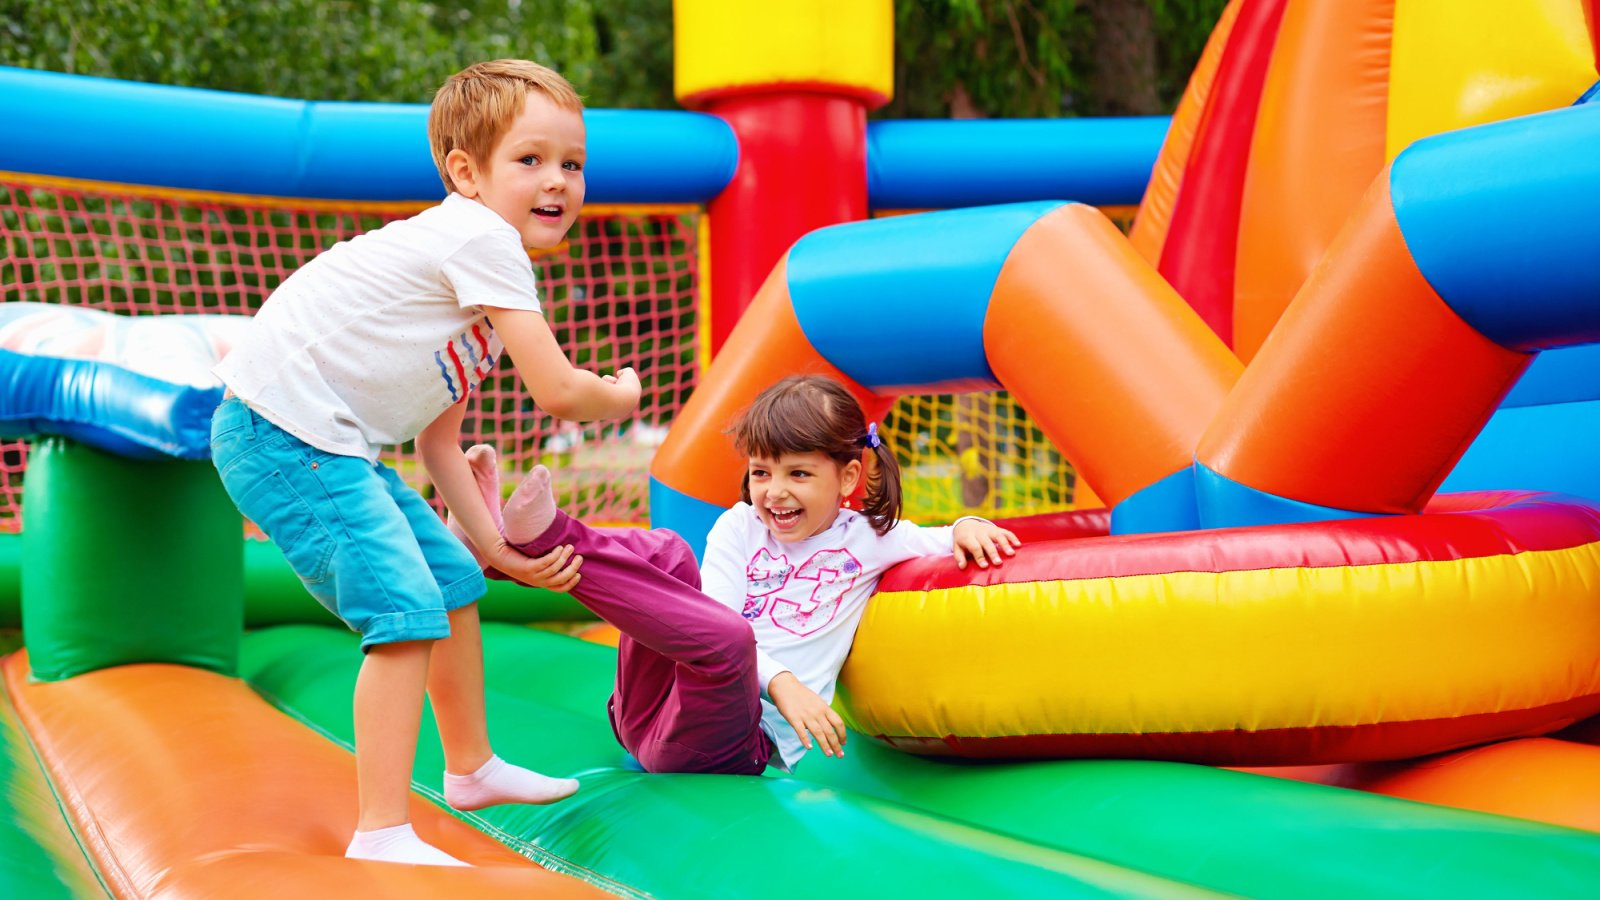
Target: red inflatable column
796, 82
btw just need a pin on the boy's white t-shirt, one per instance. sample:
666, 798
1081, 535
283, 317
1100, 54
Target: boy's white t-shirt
804, 600
371, 340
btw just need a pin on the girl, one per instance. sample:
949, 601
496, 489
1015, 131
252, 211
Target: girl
742, 674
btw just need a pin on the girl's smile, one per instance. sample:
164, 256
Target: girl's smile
797, 495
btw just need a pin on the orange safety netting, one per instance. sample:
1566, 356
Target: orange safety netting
621, 292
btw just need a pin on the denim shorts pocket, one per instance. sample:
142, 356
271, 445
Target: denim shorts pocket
274, 505
229, 447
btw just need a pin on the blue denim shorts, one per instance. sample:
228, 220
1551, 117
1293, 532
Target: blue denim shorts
363, 542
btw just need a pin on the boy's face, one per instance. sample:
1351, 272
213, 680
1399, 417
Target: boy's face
533, 177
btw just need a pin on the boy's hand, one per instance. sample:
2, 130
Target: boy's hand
556, 570
625, 390
983, 542
807, 714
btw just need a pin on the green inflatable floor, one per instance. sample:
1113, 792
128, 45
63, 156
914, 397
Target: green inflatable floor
879, 823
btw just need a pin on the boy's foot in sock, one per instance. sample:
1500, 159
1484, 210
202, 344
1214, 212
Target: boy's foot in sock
498, 781
398, 844
531, 509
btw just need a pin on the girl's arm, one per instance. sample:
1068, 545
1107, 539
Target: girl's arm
575, 395
970, 538
982, 541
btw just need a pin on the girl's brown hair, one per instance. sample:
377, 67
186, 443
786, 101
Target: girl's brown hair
814, 413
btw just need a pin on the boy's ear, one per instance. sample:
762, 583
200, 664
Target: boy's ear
463, 171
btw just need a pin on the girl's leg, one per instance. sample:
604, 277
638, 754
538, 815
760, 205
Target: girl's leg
645, 678
688, 697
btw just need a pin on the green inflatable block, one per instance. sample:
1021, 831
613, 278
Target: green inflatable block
128, 561
40, 859
10, 581
275, 596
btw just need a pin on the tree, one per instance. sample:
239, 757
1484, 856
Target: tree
1122, 72
619, 53
967, 58
1023, 58
952, 57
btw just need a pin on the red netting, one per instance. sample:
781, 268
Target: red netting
621, 292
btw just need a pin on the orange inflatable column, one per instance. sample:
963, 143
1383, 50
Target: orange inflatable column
1110, 362
1364, 395
695, 474
1323, 125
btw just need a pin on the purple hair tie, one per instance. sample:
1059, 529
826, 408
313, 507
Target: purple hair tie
873, 440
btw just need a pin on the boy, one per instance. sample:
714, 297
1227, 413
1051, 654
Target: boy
380, 340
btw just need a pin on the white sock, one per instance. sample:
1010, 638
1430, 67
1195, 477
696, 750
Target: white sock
398, 843
498, 781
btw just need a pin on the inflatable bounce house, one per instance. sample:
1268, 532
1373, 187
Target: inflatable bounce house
1316, 612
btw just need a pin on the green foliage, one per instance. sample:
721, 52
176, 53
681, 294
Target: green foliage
386, 50
1026, 58
1007, 57
1182, 27
986, 57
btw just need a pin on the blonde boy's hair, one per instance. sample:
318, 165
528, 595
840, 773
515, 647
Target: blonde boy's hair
477, 105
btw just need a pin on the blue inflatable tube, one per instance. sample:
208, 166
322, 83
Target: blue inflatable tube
1538, 448
1504, 221
1566, 375
104, 406
245, 144
926, 280
939, 164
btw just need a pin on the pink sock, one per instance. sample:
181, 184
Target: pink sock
498, 781
398, 844
486, 472
531, 509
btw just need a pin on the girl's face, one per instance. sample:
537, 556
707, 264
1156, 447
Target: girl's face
798, 495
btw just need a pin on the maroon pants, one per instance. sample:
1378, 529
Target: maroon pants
687, 697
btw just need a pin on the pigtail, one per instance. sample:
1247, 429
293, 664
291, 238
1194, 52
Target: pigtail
882, 502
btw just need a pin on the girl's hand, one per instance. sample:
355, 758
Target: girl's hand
983, 542
807, 714
556, 570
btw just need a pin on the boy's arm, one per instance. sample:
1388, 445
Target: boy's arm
439, 446
565, 392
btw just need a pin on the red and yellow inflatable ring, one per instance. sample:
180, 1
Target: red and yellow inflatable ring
1353, 640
